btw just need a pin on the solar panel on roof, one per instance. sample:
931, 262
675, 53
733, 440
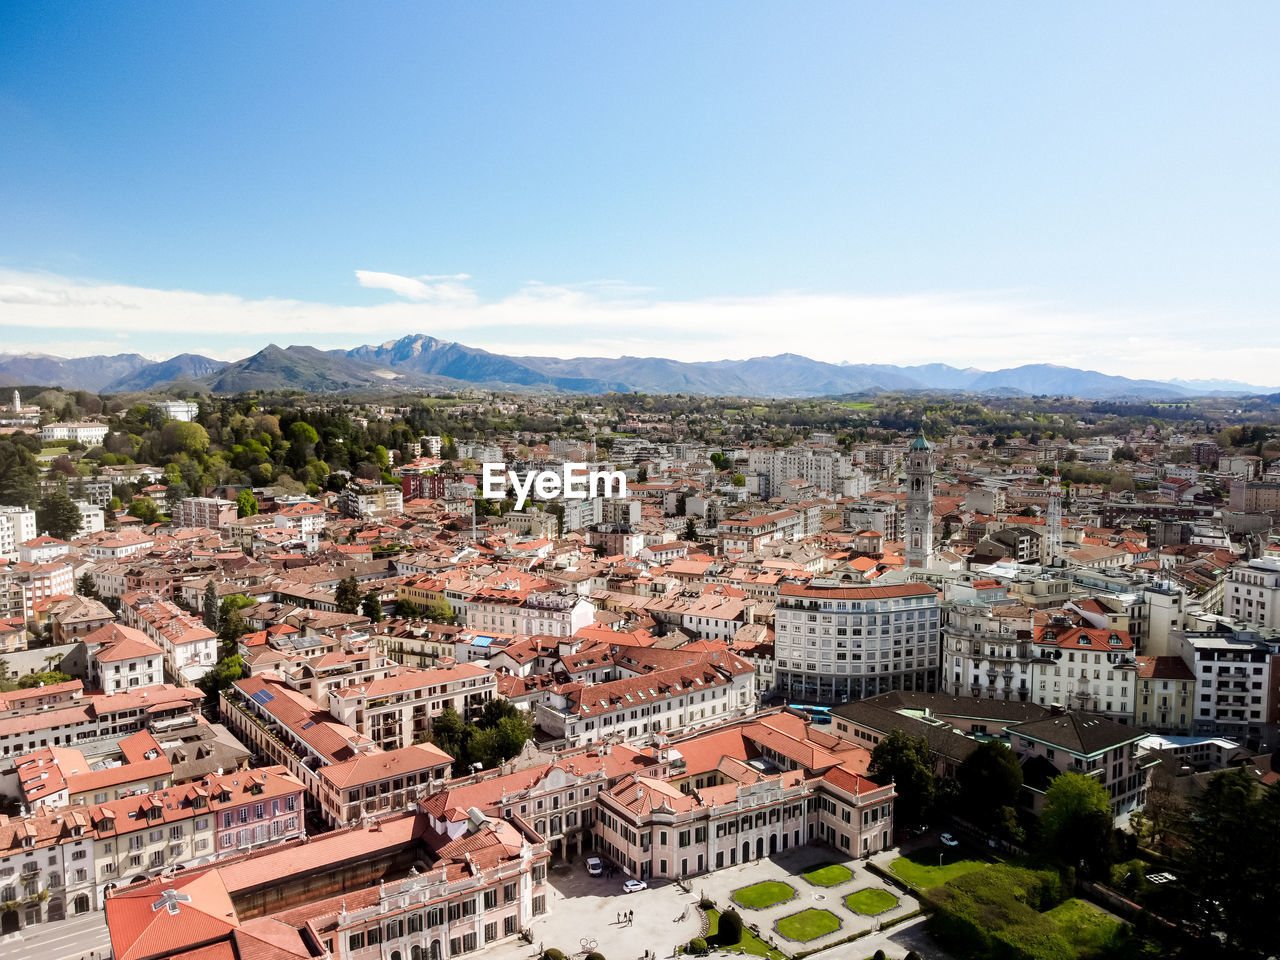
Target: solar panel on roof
262, 697
308, 725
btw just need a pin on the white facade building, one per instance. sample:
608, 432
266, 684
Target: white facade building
833, 644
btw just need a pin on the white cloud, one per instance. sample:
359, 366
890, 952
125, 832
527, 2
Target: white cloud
988, 330
428, 289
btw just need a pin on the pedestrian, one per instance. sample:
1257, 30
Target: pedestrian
619, 920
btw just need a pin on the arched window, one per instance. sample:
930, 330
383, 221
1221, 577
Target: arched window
395, 955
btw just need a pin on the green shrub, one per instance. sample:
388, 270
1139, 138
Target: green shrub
879, 955
730, 928
996, 913
552, 954
593, 955
697, 945
706, 903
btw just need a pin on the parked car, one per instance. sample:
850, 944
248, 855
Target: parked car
634, 886
949, 840
594, 866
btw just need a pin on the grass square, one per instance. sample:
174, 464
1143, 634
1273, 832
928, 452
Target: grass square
870, 901
921, 869
831, 875
807, 925
767, 893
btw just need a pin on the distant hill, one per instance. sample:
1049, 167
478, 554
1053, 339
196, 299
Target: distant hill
419, 361
182, 368
81, 373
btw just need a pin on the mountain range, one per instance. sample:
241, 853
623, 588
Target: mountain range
422, 362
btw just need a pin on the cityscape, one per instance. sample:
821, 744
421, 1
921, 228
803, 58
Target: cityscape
863, 541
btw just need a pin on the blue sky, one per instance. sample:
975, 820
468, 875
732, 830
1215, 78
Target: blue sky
980, 184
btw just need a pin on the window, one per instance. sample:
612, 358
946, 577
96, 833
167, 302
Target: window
490, 932
490, 900
539, 906
509, 893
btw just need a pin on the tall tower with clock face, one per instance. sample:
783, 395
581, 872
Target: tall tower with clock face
920, 471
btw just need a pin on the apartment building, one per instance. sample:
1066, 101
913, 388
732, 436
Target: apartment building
750, 533
1253, 593
1237, 676
347, 895
1165, 701
46, 868
834, 644
62, 716
210, 512
397, 710
190, 648
139, 836
368, 501
714, 687
1069, 742
372, 784
988, 652
17, 525
122, 658
1086, 669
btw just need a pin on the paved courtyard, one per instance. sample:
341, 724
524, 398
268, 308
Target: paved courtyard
583, 911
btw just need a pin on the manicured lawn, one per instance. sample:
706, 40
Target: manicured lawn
920, 869
1088, 929
749, 943
767, 893
833, 874
870, 901
807, 925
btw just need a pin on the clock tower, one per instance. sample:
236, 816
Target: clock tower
919, 504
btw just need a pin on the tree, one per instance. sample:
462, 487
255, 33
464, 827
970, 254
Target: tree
179, 436
407, 610
371, 606
87, 588
447, 731
233, 627
691, 530
906, 762
224, 673
209, 610
246, 503
642, 475
46, 677
1075, 825
439, 611
347, 595
19, 469
58, 516
990, 780
1230, 864
144, 509
738, 480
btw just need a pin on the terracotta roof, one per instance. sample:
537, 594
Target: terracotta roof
856, 593
367, 768
160, 919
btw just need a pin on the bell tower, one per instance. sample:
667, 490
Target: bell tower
1053, 541
919, 503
